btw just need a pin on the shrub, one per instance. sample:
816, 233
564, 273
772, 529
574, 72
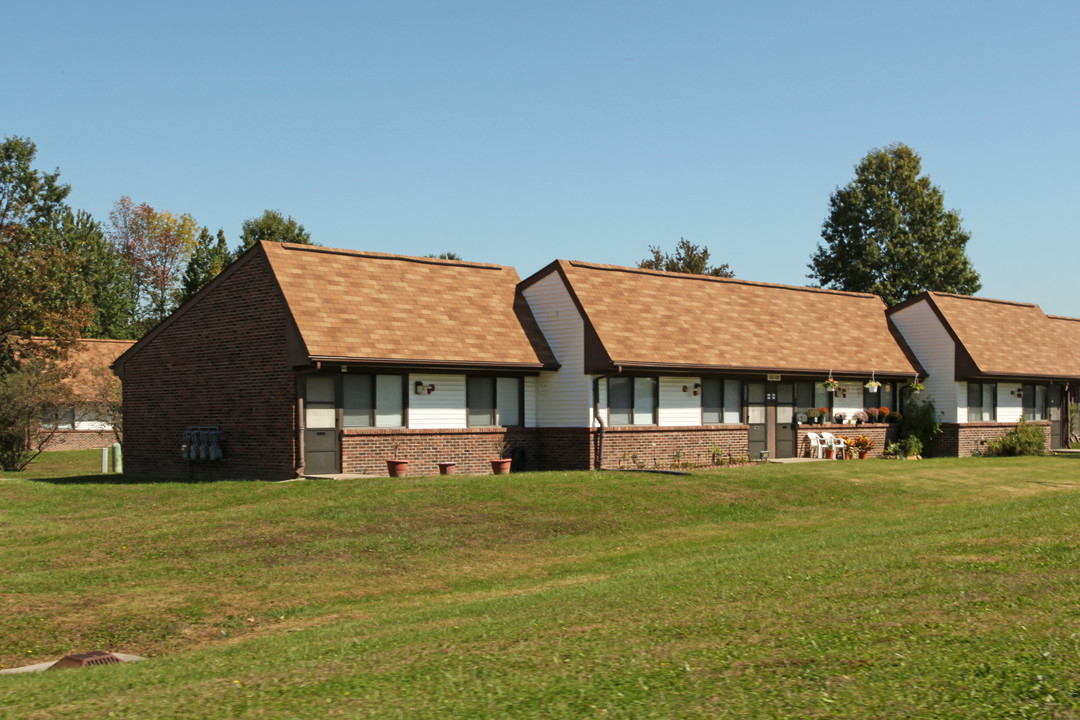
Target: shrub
920, 421
911, 445
1024, 439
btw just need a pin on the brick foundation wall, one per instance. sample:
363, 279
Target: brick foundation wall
881, 433
80, 439
365, 450
223, 362
963, 439
652, 447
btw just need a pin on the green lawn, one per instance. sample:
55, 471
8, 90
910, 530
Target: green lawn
874, 589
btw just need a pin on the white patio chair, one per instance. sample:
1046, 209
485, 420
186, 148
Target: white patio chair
835, 443
815, 443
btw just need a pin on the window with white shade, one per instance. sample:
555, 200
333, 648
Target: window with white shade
632, 400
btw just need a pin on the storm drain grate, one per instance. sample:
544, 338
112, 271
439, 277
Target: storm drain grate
85, 660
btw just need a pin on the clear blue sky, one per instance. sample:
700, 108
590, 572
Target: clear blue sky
517, 133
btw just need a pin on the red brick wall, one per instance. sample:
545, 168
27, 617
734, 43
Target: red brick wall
880, 433
652, 447
963, 439
80, 439
365, 450
223, 362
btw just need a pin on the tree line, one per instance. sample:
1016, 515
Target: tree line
65, 275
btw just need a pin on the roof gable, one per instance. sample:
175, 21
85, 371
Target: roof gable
1009, 339
388, 309
674, 320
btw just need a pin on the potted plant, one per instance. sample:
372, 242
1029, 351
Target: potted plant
871, 414
844, 450
812, 414
396, 468
859, 417
823, 415
916, 387
872, 384
861, 445
831, 385
839, 417
883, 413
501, 465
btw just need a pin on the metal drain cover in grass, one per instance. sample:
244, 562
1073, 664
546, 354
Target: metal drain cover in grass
86, 659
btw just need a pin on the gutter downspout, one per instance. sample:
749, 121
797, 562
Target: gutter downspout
300, 426
599, 421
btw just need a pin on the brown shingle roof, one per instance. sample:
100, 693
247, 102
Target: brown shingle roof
372, 307
90, 360
645, 317
1009, 338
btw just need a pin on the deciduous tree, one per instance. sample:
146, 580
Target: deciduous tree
687, 258
156, 244
271, 226
888, 233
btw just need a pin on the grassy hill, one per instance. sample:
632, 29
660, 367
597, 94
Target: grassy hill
941, 588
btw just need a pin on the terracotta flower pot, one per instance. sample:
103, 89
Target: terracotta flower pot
500, 466
829, 453
862, 454
397, 468
447, 468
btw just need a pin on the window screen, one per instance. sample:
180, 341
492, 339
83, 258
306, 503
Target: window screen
712, 401
481, 401
733, 401
358, 396
982, 402
620, 393
320, 408
1034, 402
508, 401
389, 401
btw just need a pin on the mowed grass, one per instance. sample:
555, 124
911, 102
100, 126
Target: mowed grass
941, 588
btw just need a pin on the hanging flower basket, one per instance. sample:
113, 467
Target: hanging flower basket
831, 385
916, 387
872, 385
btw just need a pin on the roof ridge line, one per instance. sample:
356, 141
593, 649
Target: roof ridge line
714, 278
297, 247
938, 293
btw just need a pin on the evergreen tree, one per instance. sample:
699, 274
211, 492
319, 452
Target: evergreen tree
207, 261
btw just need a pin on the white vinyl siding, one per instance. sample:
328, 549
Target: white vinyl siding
679, 408
563, 398
444, 408
936, 351
1010, 403
88, 419
848, 399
